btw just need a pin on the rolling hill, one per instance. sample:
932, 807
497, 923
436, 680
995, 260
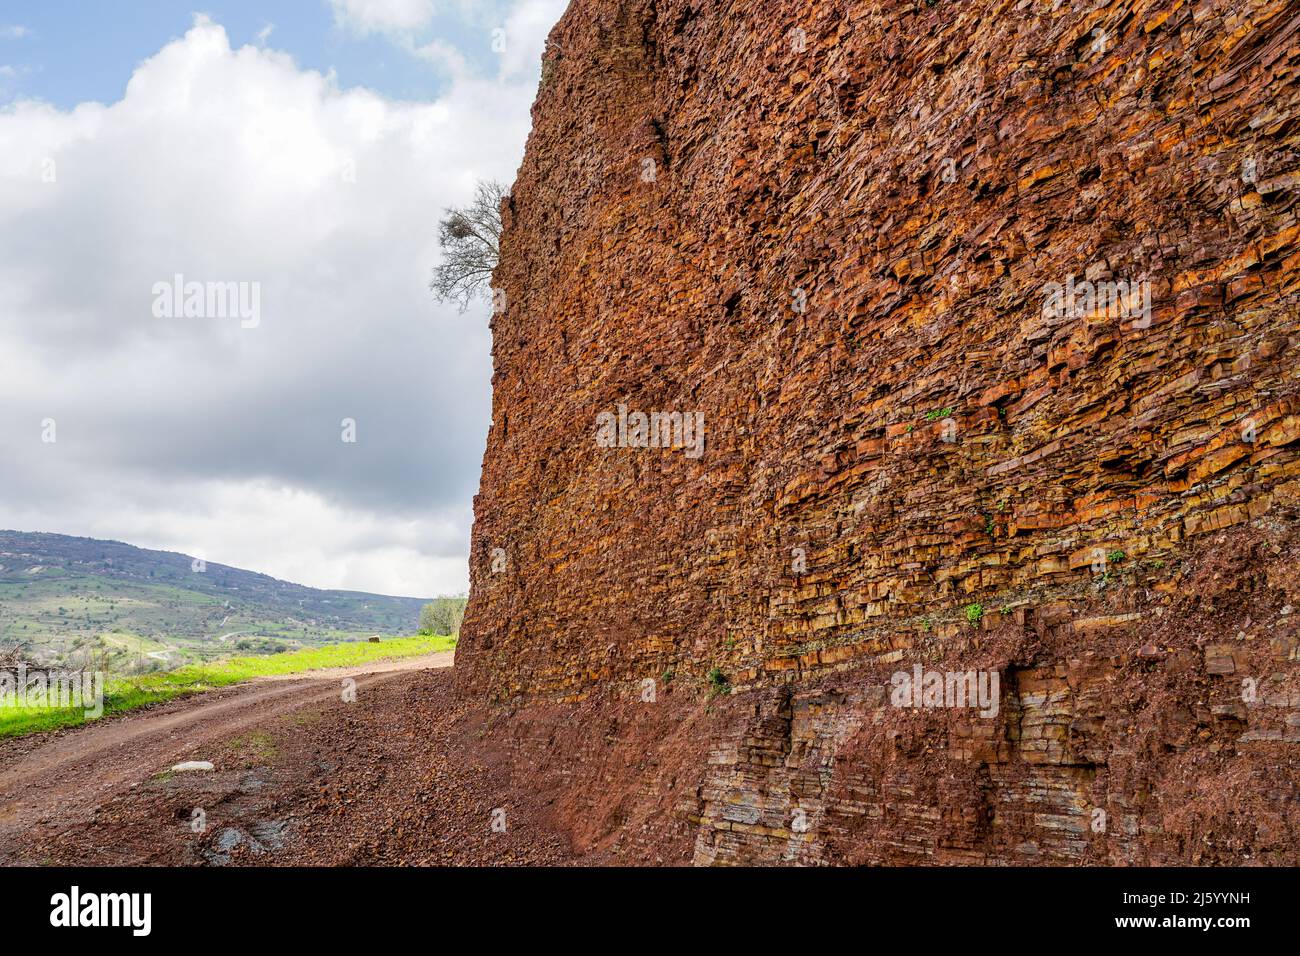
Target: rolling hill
64, 596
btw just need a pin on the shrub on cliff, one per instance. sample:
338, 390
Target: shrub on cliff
719, 683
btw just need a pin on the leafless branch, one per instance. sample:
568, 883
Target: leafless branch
470, 238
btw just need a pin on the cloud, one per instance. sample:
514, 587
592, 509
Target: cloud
526, 29
445, 56
14, 32
384, 16
514, 33
417, 555
235, 165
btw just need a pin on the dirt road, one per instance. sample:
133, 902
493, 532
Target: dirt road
291, 758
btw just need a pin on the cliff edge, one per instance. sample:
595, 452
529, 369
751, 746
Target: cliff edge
849, 347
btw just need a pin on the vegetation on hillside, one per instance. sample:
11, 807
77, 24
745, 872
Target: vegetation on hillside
128, 693
442, 616
69, 601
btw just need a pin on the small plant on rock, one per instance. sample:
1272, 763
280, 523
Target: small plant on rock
718, 682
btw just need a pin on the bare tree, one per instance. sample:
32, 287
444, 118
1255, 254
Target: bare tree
13, 657
470, 239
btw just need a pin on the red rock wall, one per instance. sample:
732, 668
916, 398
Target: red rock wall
829, 228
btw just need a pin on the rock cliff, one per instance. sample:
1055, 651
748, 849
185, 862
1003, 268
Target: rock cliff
965, 335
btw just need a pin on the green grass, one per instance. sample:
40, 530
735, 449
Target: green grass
132, 643
719, 683
59, 614
122, 694
257, 747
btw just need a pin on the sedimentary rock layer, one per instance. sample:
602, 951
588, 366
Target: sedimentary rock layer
989, 313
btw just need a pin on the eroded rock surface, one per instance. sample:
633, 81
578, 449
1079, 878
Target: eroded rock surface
834, 230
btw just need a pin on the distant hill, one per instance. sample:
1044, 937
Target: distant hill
63, 596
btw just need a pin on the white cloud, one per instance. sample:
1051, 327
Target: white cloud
194, 434
516, 38
246, 525
446, 56
384, 16
14, 32
526, 29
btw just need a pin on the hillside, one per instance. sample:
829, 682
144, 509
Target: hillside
60, 594
985, 313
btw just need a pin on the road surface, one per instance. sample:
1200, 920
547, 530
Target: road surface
48, 779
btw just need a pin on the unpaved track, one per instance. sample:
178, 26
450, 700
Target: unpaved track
402, 775
75, 770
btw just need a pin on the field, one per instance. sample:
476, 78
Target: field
122, 694
66, 619
103, 605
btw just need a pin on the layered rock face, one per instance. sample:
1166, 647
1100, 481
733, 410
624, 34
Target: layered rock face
987, 314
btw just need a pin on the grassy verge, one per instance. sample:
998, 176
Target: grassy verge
121, 694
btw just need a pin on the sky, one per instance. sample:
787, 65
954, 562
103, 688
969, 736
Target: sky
313, 413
